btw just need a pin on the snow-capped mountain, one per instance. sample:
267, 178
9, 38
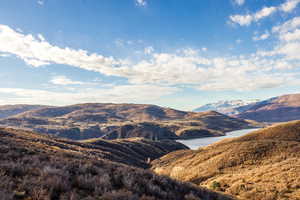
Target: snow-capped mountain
231, 107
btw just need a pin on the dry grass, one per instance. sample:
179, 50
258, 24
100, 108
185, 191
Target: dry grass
262, 165
35, 167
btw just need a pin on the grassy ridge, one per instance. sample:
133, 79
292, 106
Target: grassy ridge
262, 165
38, 167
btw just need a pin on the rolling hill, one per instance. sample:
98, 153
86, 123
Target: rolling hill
278, 109
264, 164
112, 121
10, 110
34, 166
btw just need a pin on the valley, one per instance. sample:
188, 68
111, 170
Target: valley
114, 121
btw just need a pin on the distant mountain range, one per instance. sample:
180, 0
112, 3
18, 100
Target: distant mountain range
278, 109
232, 107
112, 121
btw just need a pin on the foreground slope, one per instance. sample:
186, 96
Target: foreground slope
112, 121
38, 167
263, 165
279, 109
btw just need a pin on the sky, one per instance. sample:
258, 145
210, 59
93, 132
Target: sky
179, 54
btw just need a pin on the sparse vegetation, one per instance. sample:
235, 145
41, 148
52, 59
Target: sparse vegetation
35, 167
263, 165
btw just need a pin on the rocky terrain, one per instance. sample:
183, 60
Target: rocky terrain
278, 109
34, 166
112, 121
263, 165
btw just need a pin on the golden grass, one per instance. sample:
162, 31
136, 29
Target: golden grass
262, 165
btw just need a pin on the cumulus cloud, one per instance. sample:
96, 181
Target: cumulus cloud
288, 45
159, 71
245, 20
287, 26
264, 36
36, 51
289, 5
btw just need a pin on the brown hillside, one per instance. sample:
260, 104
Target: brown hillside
10, 110
279, 109
263, 165
38, 167
112, 121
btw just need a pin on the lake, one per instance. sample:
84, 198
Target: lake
201, 142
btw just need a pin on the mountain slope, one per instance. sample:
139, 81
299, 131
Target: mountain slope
278, 109
112, 121
263, 165
227, 107
38, 167
10, 110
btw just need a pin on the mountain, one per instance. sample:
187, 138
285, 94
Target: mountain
112, 121
278, 109
264, 164
227, 107
34, 166
10, 110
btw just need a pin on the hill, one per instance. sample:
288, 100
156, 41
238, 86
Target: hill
34, 166
232, 107
10, 110
263, 165
278, 109
112, 121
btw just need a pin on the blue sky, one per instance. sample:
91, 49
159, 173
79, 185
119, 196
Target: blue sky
179, 54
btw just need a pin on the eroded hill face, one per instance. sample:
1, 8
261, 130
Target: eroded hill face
112, 121
38, 167
261, 165
278, 109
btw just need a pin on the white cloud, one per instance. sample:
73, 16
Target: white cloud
141, 2
204, 49
290, 36
289, 25
264, 36
288, 45
290, 5
245, 83
245, 20
239, 2
159, 71
63, 80
38, 52
116, 94
149, 50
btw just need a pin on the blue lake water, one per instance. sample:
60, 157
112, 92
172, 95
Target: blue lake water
201, 142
